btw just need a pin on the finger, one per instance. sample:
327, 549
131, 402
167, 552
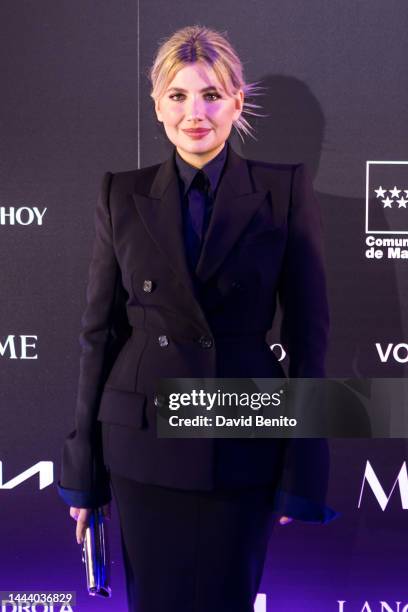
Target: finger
80, 533
74, 513
80, 530
82, 524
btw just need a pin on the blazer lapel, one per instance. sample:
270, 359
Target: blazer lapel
161, 214
235, 203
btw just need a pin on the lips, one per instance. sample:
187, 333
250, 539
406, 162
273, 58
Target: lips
197, 132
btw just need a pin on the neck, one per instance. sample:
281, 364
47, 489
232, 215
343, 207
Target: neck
198, 160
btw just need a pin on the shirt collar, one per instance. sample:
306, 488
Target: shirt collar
212, 169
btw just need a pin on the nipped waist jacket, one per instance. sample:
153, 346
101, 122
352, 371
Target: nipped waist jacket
147, 317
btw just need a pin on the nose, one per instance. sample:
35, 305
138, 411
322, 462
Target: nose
195, 109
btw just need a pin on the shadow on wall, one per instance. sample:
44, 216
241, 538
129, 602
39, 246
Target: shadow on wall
365, 309
364, 302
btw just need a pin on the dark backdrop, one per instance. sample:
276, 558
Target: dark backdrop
75, 103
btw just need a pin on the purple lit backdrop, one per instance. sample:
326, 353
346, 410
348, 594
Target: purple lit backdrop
75, 103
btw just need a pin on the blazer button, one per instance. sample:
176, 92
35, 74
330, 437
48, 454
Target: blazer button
159, 400
205, 341
163, 340
148, 286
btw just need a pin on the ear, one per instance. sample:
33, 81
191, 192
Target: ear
239, 103
157, 109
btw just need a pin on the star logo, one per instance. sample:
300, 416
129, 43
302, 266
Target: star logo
380, 192
386, 199
387, 202
395, 192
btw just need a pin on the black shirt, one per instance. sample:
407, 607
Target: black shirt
190, 196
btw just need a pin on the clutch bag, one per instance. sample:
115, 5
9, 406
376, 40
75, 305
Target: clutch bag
95, 555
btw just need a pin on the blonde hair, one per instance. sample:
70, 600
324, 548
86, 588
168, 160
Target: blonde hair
200, 44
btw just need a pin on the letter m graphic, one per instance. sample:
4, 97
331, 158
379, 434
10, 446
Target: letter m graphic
372, 480
44, 469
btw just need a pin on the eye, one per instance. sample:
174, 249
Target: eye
176, 97
215, 95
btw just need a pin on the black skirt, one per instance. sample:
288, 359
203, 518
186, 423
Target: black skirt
193, 551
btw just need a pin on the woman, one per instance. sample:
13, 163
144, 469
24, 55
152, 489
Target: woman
189, 258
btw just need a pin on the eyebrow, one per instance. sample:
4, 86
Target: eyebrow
210, 87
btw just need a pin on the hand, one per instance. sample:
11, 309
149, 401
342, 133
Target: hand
285, 520
81, 515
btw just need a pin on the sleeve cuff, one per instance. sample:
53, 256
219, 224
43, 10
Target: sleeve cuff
302, 509
83, 499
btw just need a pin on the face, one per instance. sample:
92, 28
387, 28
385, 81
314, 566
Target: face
197, 113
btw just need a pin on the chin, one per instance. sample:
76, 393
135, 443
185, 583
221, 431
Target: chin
197, 148
200, 146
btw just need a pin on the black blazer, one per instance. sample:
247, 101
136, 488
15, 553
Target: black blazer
146, 318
